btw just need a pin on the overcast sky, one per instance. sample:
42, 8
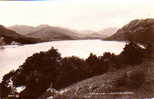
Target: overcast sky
75, 14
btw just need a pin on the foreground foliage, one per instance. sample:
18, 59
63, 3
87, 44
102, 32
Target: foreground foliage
44, 68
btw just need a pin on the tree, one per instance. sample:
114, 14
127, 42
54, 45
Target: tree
37, 73
5, 86
4, 90
132, 54
72, 70
7, 77
2, 42
97, 65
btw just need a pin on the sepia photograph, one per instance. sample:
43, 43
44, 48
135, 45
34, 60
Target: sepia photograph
76, 49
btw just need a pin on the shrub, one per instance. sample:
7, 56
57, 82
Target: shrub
134, 79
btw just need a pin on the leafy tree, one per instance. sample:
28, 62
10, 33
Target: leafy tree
73, 69
37, 73
5, 86
97, 65
92, 61
7, 77
132, 54
4, 90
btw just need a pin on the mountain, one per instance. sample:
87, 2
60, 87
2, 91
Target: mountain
47, 33
88, 34
22, 29
104, 33
139, 30
10, 35
94, 35
108, 31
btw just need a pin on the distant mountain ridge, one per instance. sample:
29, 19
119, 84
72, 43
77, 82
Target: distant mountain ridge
139, 30
101, 34
47, 33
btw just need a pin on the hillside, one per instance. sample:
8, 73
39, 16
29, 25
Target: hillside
22, 29
91, 35
140, 30
109, 86
47, 33
108, 31
10, 36
101, 34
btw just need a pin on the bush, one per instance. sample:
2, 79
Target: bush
132, 54
134, 79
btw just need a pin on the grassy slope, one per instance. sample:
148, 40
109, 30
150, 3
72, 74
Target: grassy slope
107, 83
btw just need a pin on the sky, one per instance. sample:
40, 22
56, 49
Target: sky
75, 14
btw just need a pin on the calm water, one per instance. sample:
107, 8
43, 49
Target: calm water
13, 56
